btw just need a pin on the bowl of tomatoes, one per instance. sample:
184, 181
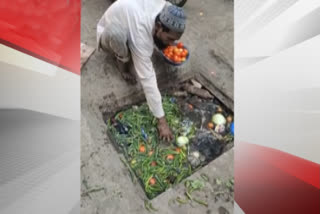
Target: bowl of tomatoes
176, 54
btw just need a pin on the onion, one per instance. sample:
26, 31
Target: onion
220, 128
196, 154
219, 119
182, 141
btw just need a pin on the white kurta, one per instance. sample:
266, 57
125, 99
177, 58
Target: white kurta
137, 19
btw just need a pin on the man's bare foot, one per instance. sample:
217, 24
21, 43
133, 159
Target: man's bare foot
125, 72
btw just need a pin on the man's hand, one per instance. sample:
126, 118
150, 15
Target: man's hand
164, 130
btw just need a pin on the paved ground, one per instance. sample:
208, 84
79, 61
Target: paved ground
209, 37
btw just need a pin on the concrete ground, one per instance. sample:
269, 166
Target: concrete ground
106, 185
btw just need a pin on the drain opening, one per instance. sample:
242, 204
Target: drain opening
203, 130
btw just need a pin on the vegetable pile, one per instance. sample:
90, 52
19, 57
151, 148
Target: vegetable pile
159, 165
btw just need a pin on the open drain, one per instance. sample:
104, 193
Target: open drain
203, 130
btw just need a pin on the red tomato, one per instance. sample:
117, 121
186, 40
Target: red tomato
180, 45
176, 58
142, 149
210, 125
170, 48
178, 150
152, 181
170, 157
